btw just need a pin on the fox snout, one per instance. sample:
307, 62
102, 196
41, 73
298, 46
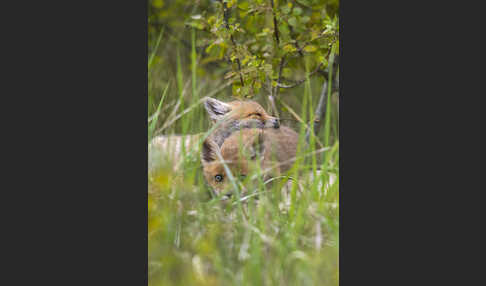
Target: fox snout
273, 122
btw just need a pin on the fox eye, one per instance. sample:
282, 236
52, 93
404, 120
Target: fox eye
256, 114
218, 178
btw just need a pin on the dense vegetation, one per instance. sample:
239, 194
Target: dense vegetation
285, 55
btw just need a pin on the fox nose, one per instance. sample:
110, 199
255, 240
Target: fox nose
227, 196
276, 123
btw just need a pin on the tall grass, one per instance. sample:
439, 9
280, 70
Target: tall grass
196, 239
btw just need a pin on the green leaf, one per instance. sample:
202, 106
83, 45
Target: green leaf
286, 9
293, 21
304, 2
230, 3
310, 48
323, 60
196, 24
289, 48
158, 3
208, 49
212, 20
257, 85
245, 60
243, 6
286, 72
297, 11
245, 90
267, 68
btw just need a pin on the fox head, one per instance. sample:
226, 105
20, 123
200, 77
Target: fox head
245, 114
241, 153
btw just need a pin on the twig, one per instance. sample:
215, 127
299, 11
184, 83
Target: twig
271, 98
280, 69
299, 50
274, 92
330, 48
319, 114
321, 106
275, 26
225, 18
299, 82
303, 5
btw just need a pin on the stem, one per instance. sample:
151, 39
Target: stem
327, 123
225, 17
275, 89
320, 111
275, 26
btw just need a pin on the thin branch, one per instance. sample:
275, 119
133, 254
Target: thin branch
330, 48
280, 69
274, 92
319, 113
275, 26
303, 5
275, 89
299, 50
225, 18
271, 98
299, 82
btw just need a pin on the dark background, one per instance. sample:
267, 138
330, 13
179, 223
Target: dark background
75, 128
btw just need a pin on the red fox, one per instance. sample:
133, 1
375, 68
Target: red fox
270, 148
237, 115
230, 117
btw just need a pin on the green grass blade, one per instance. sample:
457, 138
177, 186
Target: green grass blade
152, 56
157, 114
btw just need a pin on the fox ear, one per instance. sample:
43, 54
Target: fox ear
257, 147
216, 109
208, 152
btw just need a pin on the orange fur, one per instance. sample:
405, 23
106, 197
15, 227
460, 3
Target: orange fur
271, 149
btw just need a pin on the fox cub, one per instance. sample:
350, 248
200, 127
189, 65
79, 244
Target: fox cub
230, 117
272, 149
237, 115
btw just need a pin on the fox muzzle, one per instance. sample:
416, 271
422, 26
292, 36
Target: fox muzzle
273, 122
